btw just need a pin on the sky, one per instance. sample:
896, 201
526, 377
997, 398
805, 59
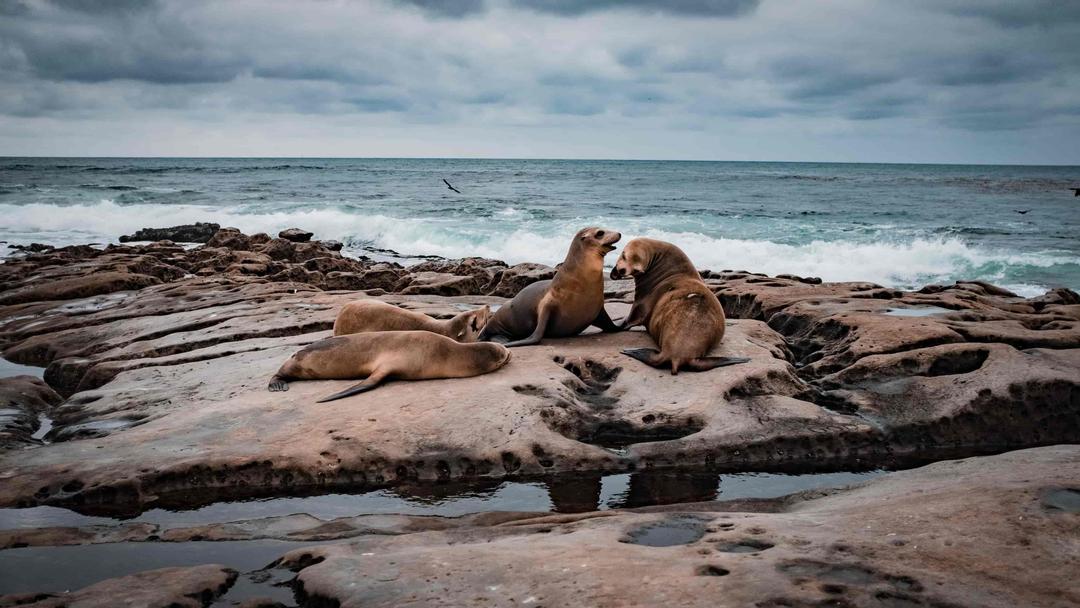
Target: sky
953, 81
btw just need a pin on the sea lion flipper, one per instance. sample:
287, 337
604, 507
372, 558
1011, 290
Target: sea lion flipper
604, 322
277, 384
369, 383
704, 364
542, 318
648, 356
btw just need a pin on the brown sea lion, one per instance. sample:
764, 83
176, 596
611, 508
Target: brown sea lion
363, 316
378, 355
680, 312
564, 305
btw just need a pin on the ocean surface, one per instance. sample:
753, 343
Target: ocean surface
897, 225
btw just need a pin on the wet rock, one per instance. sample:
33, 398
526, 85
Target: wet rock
508, 282
279, 249
23, 399
957, 533
230, 238
199, 232
841, 375
437, 283
78, 287
192, 587
296, 235
332, 245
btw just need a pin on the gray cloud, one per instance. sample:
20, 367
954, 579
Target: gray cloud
720, 67
448, 8
701, 8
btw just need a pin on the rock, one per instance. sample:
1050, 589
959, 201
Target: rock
199, 232
332, 245
437, 283
230, 238
508, 282
79, 287
192, 587
296, 235
279, 249
976, 532
332, 264
22, 400
842, 375
32, 247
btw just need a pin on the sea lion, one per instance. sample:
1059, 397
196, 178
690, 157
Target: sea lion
363, 316
564, 305
406, 355
679, 311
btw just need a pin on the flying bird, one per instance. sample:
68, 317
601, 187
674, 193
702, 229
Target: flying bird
450, 187
1021, 211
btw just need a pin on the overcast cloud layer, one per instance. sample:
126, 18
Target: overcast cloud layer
841, 80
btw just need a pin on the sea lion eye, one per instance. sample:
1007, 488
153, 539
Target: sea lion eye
599, 234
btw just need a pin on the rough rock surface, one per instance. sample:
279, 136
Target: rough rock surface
22, 400
842, 375
193, 587
957, 533
199, 232
296, 235
997, 531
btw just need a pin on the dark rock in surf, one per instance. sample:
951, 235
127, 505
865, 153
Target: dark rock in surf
296, 235
199, 232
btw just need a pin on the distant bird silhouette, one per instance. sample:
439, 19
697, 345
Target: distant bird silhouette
1076, 191
1021, 212
450, 187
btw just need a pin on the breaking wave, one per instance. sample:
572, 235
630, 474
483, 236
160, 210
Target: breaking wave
908, 262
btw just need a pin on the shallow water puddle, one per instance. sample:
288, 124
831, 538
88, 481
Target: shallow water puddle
668, 533
45, 424
9, 370
917, 311
53, 569
1063, 499
567, 495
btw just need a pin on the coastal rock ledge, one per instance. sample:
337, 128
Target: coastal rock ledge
161, 356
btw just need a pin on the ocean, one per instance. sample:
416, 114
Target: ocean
898, 225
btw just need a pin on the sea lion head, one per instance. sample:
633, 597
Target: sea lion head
634, 260
596, 239
468, 325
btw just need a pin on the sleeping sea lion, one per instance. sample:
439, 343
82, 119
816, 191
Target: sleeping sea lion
564, 305
406, 355
680, 312
363, 316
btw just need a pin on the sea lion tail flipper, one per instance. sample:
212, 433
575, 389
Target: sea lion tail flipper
604, 322
648, 356
369, 383
704, 364
538, 332
277, 385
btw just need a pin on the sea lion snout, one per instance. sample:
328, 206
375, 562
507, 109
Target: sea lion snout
607, 239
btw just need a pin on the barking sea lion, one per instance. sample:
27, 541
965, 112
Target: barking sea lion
564, 305
680, 312
405, 355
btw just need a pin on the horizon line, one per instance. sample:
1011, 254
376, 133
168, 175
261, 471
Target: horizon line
527, 158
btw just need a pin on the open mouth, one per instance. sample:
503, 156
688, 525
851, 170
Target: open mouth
608, 248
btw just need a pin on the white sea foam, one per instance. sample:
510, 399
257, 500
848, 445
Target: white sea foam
902, 263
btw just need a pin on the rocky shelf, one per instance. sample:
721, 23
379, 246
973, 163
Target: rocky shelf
156, 358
